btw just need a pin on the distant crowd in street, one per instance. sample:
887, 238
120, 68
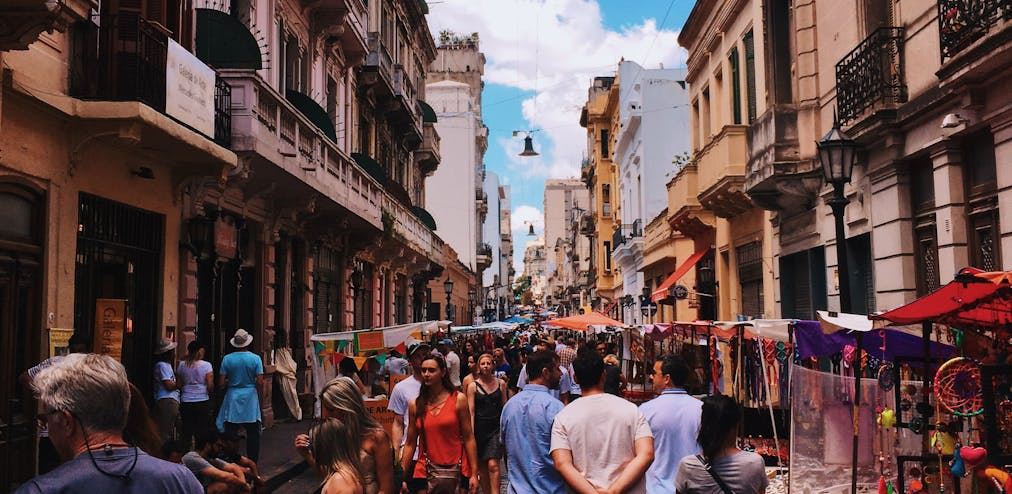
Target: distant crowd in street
533, 414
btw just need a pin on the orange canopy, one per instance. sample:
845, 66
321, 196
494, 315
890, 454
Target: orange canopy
583, 321
661, 292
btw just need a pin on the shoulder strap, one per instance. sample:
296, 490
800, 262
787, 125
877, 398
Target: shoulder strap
713, 473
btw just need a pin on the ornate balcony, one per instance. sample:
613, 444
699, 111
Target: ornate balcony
974, 36
378, 69
776, 178
587, 225
962, 22
685, 214
286, 145
870, 79
721, 173
481, 200
484, 256
427, 155
339, 22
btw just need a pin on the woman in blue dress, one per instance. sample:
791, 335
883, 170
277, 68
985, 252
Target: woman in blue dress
242, 374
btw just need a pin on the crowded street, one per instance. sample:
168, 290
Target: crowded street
505, 246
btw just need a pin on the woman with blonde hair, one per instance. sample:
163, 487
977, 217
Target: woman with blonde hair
333, 445
486, 396
340, 398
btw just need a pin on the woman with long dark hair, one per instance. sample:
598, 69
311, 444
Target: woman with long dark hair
486, 396
141, 431
340, 398
196, 379
335, 447
722, 467
439, 422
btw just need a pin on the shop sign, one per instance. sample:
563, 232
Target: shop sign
378, 410
59, 341
225, 239
110, 325
189, 89
369, 341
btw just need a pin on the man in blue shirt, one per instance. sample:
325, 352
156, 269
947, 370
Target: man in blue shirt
526, 427
674, 419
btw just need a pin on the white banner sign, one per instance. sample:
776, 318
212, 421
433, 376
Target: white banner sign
189, 89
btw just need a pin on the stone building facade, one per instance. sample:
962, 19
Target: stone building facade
920, 89
286, 198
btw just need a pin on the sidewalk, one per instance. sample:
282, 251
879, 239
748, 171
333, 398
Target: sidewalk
279, 462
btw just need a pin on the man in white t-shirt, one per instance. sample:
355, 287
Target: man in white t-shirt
601, 441
445, 347
403, 394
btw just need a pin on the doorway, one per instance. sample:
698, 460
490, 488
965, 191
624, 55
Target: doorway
21, 240
119, 256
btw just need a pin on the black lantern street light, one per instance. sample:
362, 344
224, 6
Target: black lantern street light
837, 152
448, 288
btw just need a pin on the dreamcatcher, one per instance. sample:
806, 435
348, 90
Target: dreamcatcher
958, 387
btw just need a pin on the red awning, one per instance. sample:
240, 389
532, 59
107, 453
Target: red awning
974, 299
661, 292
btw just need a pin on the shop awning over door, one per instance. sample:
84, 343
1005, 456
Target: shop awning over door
224, 42
661, 292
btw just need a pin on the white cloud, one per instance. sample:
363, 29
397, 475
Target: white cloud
553, 48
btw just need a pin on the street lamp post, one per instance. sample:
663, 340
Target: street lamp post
448, 288
836, 154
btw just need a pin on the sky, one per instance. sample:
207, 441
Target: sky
541, 56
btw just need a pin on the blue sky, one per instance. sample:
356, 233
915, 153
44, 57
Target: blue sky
541, 56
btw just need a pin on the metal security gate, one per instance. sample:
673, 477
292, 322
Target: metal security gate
119, 256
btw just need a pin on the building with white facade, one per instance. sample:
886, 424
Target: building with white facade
506, 271
565, 199
535, 266
496, 279
455, 194
653, 128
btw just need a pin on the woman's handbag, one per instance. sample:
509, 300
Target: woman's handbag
442, 479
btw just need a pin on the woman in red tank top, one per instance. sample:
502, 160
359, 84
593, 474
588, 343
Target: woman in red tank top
439, 422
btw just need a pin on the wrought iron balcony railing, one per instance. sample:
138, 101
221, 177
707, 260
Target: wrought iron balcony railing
961, 22
127, 62
627, 232
871, 74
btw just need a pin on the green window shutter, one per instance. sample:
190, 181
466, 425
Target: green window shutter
750, 74
735, 86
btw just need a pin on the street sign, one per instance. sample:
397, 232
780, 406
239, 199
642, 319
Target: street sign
680, 292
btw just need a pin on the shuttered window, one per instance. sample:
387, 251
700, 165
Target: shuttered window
326, 290
750, 277
735, 92
750, 74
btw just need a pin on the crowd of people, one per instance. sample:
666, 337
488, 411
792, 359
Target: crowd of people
96, 430
531, 415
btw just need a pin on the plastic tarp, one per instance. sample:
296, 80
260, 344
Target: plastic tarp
822, 431
518, 320
285, 371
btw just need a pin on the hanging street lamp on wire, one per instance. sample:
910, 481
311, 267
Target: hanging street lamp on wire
528, 143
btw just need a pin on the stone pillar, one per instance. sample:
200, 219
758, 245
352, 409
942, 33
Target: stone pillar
892, 237
349, 295
270, 301
1003, 156
377, 297
950, 210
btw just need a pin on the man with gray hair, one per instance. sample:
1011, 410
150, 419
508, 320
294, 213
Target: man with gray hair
84, 399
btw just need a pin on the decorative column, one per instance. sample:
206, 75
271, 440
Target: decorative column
892, 224
1002, 133
950, 210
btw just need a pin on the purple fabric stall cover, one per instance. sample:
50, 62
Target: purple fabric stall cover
813, 343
